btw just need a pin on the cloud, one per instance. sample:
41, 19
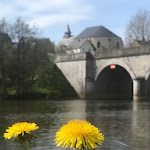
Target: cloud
40, 5
47, 12
51, 20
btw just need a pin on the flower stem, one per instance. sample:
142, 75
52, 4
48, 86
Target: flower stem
26, 146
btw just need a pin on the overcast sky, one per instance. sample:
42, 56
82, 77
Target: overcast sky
52, 16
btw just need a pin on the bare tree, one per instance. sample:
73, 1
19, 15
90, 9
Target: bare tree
61, 50
4, 26
138, 28
21, 29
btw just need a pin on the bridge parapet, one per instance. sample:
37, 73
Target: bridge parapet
71, 57
105, 54
125, 52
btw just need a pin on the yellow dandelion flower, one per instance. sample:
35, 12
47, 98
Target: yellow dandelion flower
80, 135
20, 128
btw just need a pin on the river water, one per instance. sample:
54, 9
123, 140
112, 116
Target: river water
125, 124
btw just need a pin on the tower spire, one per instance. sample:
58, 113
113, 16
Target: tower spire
67, 33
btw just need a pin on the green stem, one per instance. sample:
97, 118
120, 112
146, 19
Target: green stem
26, 146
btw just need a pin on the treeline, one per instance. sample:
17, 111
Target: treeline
26, 64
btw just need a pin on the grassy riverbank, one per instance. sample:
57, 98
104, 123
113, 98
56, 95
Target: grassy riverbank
49, 83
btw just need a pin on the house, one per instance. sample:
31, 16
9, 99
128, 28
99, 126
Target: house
138, 43
91, 39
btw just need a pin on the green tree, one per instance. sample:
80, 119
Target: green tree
33, 53
22, 34
49, 77
26, 62
5, 50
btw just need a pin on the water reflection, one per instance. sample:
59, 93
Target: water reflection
141, 124
125, 124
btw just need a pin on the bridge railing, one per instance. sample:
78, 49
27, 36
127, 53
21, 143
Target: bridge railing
104, 54
125, 52
71, 57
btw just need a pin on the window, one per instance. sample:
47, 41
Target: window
117, 44
98, 44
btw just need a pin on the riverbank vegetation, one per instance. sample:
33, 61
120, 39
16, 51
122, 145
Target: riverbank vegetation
27, 69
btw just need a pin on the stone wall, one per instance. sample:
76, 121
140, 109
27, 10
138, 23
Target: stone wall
75, 73
108, 43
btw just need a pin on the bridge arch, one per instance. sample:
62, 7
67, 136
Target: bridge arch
114, 83
147, 74
147, 83
116, 62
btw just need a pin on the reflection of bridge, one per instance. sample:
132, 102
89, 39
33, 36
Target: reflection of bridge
91, 76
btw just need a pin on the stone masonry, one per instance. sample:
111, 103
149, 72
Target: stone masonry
82, 70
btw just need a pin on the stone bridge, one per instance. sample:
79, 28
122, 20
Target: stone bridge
91, 75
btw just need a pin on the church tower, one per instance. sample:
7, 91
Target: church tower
67, 33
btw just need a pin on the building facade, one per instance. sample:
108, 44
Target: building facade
91, 39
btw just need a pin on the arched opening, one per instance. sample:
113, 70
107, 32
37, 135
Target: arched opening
117, 44
98, 44
113, 82
147, 87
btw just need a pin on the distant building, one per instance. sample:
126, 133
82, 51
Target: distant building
4, 37
5, 41
91, 39
67, 32
138, 43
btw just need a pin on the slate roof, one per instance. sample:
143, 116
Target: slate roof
74, 43
67, 41
98, 31
77, 43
